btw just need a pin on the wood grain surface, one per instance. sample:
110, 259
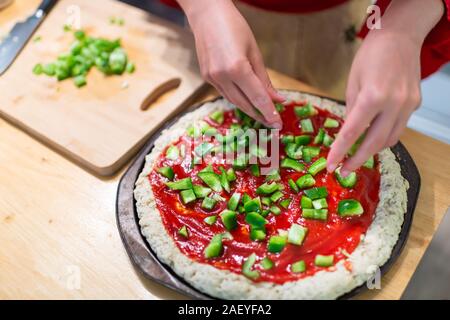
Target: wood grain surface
58, 232
100, 125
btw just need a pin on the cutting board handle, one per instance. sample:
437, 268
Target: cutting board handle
161, 90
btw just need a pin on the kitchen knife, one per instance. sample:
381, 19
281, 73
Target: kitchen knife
431, 280
14, 42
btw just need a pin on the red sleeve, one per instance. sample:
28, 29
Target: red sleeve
436, 48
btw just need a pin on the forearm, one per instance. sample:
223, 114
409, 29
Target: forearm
412, 18
195, 9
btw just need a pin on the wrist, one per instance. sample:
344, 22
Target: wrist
410, 19
196, 10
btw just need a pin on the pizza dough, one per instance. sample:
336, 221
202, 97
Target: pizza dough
373, 250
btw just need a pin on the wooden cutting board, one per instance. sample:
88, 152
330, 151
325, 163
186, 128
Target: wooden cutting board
101, 125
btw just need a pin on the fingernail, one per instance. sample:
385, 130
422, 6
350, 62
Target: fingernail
331, 167
344, 173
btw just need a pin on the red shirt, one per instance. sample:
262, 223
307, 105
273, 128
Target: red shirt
435, 50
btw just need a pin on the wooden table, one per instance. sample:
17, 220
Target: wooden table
58, 234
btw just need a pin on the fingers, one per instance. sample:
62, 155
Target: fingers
261, 72
255, 91
356, 123
236, 96
375, 140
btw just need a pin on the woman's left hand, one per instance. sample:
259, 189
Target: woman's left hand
383, 91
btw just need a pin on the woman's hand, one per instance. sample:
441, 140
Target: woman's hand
230, 58
384, 84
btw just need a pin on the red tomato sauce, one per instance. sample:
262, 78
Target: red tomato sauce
335, 236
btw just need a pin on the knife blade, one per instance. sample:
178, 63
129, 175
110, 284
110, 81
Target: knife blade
431, 280
15, 41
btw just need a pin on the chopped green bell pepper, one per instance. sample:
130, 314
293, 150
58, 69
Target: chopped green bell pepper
350, 207
229, 219
182, 184
166, 172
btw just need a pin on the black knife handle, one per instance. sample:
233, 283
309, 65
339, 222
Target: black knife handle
47, 5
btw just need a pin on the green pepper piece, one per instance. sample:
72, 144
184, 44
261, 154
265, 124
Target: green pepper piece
306, 126
308, 153
172, 153
292, 164
255, 219
279, 107
253, 205
294, 151
267, 264
214, 248
276, 244
306, 181
131, 67
80, 81
327, 141
305, 111
324, 261
302, 140
118, 61
187, 196
370, 163
306, 203
285, 203
297, 234
257, 234
224, 180
293, 186
274, 175
217, 116
276, 196
275, 210
298, 266
315, 214
211, 180
234, 201
38, 69
210, 220
265, 212
356, 145
347, 182
246, 198
49, 69
201, 191
267, 188
319, 165
319, 137
286, 139
254, 169
320, 203
247, 267
231, 175
184, 232
183, 184
229, 219
331, 123
266, 201
208, 203
166, 172
350, 207
316, 193
203, 149
208, 168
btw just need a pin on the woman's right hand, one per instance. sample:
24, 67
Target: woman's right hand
230, 59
